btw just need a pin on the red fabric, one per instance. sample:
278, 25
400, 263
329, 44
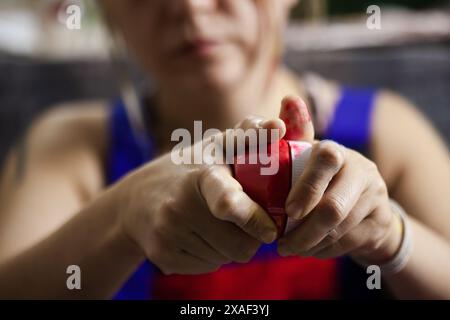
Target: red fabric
273, 279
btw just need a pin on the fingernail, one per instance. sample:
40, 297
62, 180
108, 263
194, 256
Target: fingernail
295, 210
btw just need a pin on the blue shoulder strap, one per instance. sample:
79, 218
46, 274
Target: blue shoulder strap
127, 153
351, 124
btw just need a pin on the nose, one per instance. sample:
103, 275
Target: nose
190, 8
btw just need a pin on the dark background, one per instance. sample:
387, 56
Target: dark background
339, 7
346, 6
420, 72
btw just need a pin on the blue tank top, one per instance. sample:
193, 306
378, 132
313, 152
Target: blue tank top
350, 126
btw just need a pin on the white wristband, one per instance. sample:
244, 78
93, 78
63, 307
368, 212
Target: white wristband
401, 258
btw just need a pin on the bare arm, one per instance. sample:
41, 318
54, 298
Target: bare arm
415, 164
43, 228
186, 219
342, 199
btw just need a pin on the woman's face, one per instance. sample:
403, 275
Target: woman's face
201, 44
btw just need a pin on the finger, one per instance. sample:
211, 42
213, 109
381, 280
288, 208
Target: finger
333, 208
295, 114
252, 130
359, 212
191, 265
256, 122
193, 244
172, 260
227, 202
226, 238
365, 235
185, 263
327, 159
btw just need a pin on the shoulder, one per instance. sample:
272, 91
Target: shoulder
396, 120
68, 127
69, 141
53, 174
400, 131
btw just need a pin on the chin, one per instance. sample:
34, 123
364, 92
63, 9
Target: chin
214, 78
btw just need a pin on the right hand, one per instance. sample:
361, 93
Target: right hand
192, 219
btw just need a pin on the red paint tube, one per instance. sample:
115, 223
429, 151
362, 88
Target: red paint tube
271, 191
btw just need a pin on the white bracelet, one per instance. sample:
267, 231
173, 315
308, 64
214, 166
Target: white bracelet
401, 258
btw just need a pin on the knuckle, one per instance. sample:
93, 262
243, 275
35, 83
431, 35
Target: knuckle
309, 187
383, 219
330, 155
206, 175
378, 182
373, 244
248, 122
376, 240
334, 209
252, 120
168, 207
371, 166
164, 221
226, 206
380, 234
332, 236
381, 187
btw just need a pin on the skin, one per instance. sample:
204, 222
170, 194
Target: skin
194, 219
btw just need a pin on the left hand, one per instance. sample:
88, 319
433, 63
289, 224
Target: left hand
341, 202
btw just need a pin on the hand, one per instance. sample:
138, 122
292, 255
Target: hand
342, 205
191, 219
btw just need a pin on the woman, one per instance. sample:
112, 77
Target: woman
93, 196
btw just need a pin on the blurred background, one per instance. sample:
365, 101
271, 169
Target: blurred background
43, 63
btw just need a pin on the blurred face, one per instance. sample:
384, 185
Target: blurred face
202, 44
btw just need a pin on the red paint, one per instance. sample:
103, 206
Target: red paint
269, 191
295, 115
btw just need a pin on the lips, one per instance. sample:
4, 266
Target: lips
200, 47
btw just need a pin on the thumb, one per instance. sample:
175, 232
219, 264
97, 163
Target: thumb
297, 118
